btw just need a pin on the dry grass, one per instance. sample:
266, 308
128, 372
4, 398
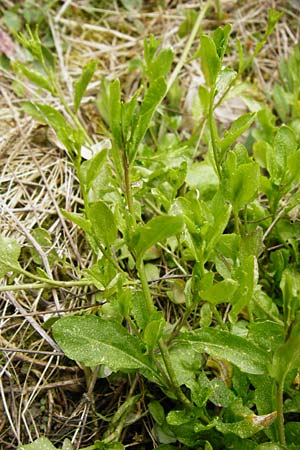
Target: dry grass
42, 393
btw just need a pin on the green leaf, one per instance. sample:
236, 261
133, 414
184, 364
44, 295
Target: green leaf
210, 61
115, 112
287, 356
79, 220
81, 85
201, 175
244, 184
221, 212
67, 445
270, 446
290, 287
238, 127
220, 292
35, 77
12, 20
293, 165
221, 344
156, 230
139, 309
71, 138
152, 99
48, 115
224, 79
9, 255
92, 341
154, 330
284, 145
44, 239
103, 223
160, 65
246, 276
281, 102
132, 5
268, 335
185, 361
247, 427
40, 444
128, 113
221, 36
292, 431
157, 412
90, 169
201, 109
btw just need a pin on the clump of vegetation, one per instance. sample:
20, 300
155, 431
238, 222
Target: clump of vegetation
194, 254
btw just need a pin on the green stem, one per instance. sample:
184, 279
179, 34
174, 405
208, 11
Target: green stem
219, 9
128, 191
236, 222
49, 282
46, 285
280, 417
213, 132
176, 387
61, 98
145, 287
188, 45
218, 317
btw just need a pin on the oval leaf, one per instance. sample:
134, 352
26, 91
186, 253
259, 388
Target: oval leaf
9, 255
156, 230
221, 344
92, 341
103, 223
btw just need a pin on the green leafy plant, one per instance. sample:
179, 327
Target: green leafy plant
225, 359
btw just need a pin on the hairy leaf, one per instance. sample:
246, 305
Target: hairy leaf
81, 85
221, 344
92, 341
9, 255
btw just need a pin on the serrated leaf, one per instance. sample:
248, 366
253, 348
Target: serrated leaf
152, 99
156, 230
92, 341
81, 84
9, 255
221, 344
103, 223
